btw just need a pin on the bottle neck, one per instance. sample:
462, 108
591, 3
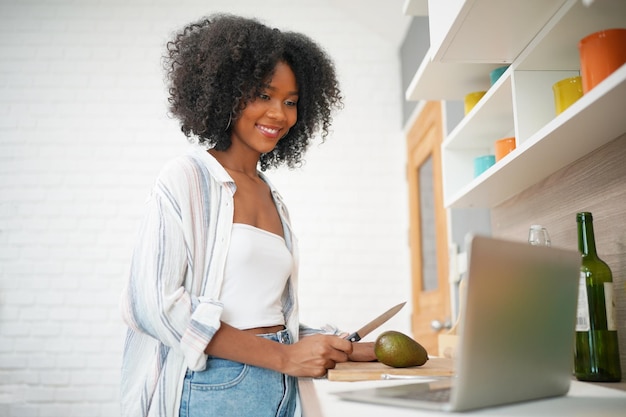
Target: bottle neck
586, 238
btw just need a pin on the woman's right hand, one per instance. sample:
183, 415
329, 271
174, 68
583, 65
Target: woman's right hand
313, 355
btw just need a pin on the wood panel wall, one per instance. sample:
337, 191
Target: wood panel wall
595, 183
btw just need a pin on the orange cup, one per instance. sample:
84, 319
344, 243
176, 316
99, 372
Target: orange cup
503, 147
601, 53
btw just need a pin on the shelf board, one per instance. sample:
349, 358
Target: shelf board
487, 31
415, 7
539, 34
588, 124
485, 34
436, 80
489, 120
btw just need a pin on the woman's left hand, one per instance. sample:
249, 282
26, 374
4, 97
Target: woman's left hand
362, 352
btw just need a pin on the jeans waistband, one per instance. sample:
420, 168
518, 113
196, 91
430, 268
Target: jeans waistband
282, 336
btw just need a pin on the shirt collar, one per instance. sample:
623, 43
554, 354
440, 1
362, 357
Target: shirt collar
215, 168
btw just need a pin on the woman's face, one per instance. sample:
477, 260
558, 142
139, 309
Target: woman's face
268, 117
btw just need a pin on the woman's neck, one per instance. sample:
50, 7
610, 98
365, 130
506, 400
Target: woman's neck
235, 163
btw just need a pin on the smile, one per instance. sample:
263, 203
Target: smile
268, 131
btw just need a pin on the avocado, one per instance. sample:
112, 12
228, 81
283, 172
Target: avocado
399, 350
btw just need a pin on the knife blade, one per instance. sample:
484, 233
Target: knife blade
369, 327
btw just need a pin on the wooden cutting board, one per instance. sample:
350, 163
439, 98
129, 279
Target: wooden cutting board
361, 371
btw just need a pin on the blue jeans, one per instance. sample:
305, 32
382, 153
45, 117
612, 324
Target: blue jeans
226, 388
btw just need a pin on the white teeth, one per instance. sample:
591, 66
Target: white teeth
268, 130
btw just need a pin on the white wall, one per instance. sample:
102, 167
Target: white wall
83, 132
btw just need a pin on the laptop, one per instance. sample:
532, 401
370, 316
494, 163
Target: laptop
516, 332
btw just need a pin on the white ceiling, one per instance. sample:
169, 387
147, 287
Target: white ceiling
384, 17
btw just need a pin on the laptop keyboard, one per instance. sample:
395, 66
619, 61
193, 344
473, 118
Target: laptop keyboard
441, 395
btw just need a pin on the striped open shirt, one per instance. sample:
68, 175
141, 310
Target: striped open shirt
171, 302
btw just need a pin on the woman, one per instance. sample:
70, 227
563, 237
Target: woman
211, 301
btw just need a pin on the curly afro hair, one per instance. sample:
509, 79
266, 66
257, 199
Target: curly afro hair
219, 64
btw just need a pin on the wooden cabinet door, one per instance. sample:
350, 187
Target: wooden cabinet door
428, 227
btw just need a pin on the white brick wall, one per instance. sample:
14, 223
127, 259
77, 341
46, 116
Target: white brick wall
83, 132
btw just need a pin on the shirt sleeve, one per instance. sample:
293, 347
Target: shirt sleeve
156, 300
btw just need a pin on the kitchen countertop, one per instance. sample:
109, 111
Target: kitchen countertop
583, 399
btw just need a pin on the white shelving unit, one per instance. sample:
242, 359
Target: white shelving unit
539, 39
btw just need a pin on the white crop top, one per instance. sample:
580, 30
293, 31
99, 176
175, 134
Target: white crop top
258, 265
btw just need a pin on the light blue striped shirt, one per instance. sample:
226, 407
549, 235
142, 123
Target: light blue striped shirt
171, 301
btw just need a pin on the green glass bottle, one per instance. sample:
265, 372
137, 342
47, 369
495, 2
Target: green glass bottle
596, 356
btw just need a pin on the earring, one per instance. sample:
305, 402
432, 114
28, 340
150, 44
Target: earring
230, 119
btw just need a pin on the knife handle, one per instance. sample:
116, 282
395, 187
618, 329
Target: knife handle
354, 337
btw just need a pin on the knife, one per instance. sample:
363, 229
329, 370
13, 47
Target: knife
367, 329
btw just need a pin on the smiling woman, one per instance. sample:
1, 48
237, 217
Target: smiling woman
211, 302
268, 117
263, 122
214, 75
